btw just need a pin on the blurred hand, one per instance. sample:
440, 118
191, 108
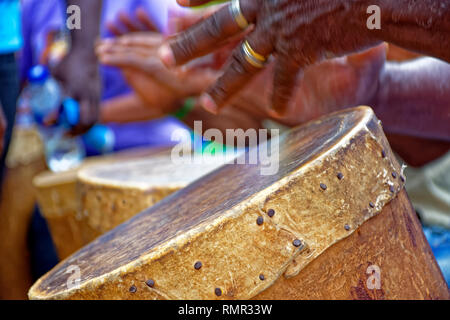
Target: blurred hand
2, 129
164, 90
136, 55
131, 22
78, 72
326, 87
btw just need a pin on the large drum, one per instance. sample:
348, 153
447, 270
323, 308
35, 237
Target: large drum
82, 204
333, 223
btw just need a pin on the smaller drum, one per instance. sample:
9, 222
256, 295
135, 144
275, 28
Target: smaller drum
82, 204
113, 193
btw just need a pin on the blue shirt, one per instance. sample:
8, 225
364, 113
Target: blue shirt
10, 26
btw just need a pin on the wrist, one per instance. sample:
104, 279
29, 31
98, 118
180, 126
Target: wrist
419, 26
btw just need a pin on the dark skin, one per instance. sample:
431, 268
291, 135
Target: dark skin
300, 33
78, 71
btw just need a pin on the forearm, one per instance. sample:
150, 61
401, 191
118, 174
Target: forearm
414, 98
421, 26
83, 39
127, 108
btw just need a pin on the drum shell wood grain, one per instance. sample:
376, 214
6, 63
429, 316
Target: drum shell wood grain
392, 242
25, 160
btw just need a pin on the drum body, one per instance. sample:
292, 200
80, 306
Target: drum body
82, 204
333, 222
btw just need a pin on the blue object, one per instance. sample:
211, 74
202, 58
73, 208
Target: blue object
121, 136
44, 94
100, 139
46, 102
38, 74
10, 26
439, 240
70, 112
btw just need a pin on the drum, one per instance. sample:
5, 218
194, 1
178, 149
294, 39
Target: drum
111, 194
82, 204
25, 159
332, 222
58, 201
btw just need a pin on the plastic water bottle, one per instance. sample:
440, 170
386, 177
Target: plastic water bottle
24, 118
46, 100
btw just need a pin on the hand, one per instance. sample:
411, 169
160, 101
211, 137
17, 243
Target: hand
299, 33
2, 130
338, 83
78, 72
127, 23
326, 87
136, 55
163, 89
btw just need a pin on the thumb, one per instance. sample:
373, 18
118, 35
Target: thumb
375, 55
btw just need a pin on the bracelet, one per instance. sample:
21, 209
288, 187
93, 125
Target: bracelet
188, 106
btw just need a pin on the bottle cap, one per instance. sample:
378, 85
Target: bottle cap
71, 111
38, 73
100, 138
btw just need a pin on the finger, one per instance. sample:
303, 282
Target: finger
145, 49
141, 39
126, 21
129, 59
285, 80
375, 55
144, 19
237, 74
88, 116
203, 37
113, 29
192, 3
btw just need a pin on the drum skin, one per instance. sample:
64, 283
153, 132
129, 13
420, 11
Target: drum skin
334, 222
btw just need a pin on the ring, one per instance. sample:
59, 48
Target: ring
252, 57
235, 9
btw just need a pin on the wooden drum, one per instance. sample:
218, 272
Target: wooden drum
82, 204
333, 223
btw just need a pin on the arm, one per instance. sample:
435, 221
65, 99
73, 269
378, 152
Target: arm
421, 26
78, 71
83, 40
414, 98
127, 108
301, 33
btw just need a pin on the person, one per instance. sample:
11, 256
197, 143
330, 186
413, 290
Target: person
10, 43
300, 33
42, 23
400, 93
68, 71
163, 90
119, 106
